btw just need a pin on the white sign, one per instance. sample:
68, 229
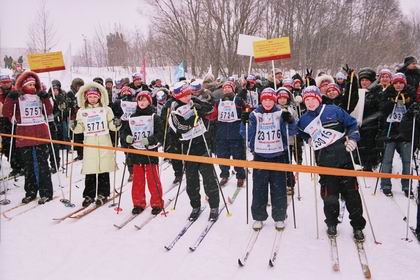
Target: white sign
245, 44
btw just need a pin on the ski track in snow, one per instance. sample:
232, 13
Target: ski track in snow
33, 246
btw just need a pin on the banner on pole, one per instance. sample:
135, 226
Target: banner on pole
46, 62
245, 44
273, 49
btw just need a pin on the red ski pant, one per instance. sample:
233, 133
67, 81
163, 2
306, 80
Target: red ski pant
151, 172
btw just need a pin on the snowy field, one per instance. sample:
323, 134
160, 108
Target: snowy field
33, 246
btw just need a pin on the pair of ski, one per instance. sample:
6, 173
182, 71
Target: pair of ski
360, 251
200, 238
253, 239
32, 205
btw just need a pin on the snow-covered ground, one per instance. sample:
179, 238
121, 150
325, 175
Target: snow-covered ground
33, 246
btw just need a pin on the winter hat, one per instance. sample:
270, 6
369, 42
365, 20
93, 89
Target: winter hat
251, 78
146, 94
137, 76
181, 89
283, 92
56, 84
196, 86
229, 84
312, 91
340, 76
367, 73
28, 80
323, 78
385, 71
5, 79
409, 59
92, 91
99, 80
268, 93
399, 77
295, 81
77, 82
333, 86
126, 91
288, 83
109, 80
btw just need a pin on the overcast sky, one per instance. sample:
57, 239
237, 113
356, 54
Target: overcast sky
72, 18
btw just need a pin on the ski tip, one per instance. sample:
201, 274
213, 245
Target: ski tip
240, 263
167, 248
192, 249
117, 226
270, 263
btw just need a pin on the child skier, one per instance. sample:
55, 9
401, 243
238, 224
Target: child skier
95, 119
267, 136
26, 107
145, 132
187, 121
333, 134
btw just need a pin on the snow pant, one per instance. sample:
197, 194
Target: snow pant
234, 148
418, 211
103, 185
177, 165
79, 138
150, 172
277, 182
370, 153
404, 150
331, 188
192, 170
54, 136
37, 172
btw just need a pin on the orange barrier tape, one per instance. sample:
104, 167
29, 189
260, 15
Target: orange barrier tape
234, 162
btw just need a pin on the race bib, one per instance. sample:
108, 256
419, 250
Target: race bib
141, 127
397, 114
252, 98
322, 137
128, 108
227, 111
30, 110
268, 135
95, 121
184, 111
196, 131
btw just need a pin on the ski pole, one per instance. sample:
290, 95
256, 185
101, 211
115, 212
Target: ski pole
69, 204
182, 175
118, 209
166, 132
246, 172
364, 203
63, 200
411, 180
4, 201
350, 90
289, 156
316, 193
156, 185
10, 154
297, 173
115, 169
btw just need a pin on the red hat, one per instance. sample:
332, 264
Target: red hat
230, 84
126, 91
4, 79
399, 77
385, 71
283, 92
333, 86
93, 91
29, 80
288, 83
146, 94
295, 81
268, 93
182, 89
312, 91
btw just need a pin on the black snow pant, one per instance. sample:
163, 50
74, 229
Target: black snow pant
177, 165
54, 136
37, 172
104, 185
79, 138
262, 179
331, 188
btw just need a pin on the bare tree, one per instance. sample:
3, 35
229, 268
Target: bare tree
42, 34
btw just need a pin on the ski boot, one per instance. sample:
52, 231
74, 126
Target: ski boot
240, 183
156, 210
137, 210
279, 225
44, 199
257, 225
388, 192
101, 200
411, 194
214, 214
223, 181
332, 230
88, 200
28, 199
358, 235
195, 213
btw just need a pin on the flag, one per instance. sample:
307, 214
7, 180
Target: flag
180, 71
143, 69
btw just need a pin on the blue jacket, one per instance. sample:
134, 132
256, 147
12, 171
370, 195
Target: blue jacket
252, 130
229, 131
333, 117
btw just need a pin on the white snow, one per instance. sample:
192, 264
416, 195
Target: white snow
33, 246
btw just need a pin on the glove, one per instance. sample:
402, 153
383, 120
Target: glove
350, 145
144, 141
72, 124
42, 94
298, 99
117, 122
287, 117
245, 116
348, 70
13, 94
129, 139
197, 106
